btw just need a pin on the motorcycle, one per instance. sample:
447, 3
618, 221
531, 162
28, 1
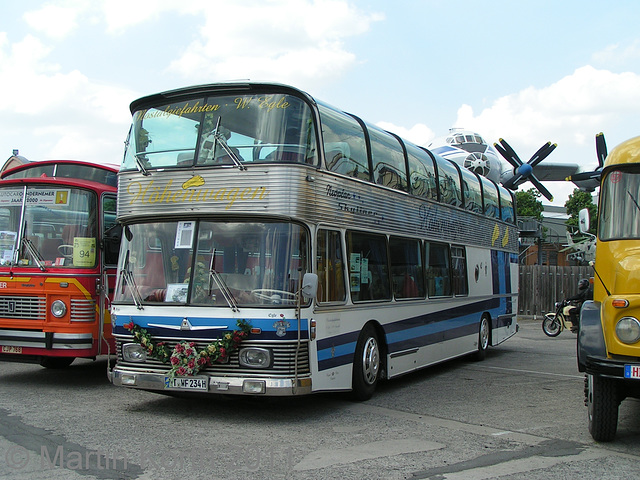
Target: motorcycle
554, 323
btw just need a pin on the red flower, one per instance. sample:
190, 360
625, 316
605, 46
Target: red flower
202, 361
181, 371
128, 326
191, 364
175, 360
179, 348
188, 352
223, 352
192, 344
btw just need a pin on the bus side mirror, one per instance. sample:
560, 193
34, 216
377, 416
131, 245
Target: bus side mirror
583, 220
309, 285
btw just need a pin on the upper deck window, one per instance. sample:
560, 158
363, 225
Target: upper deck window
490, 196
389, 168
620, 206
222, 130
422, 173
449, 182
345, 147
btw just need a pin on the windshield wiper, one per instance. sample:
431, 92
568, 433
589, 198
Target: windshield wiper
219, 138
222, 286
33, 251
634, 200
128, 279
140, 164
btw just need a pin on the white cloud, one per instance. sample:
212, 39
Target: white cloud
570, 111
55, 113
290, 41
419, 134
56, 21
618, 54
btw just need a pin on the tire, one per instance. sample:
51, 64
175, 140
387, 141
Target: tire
56, 362
602, 405
484, 335
366, 364
551, 325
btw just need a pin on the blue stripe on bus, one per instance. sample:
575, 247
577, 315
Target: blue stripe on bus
267, 326
417, 331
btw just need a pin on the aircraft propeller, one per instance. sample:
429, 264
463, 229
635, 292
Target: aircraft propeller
601, 151
523, 172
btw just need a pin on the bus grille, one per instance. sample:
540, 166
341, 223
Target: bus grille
83, 310
28, 308
284, 355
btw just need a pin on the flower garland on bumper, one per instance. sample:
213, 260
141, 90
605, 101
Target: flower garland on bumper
185, 358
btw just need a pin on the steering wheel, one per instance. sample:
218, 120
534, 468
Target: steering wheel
274, 296
65, 249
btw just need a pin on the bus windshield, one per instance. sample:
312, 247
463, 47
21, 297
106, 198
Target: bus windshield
620, 206
222, 131
47, 225
212, 263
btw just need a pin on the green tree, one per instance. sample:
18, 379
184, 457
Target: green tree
577, 201
528, 205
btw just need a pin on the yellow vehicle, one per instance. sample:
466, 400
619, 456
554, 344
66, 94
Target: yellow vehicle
609, 335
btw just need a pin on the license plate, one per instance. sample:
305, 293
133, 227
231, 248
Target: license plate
632, 371
187, 383
9, 349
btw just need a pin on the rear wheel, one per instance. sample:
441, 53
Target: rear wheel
56, 362
551, 325
602, 405
366, 364
484, 334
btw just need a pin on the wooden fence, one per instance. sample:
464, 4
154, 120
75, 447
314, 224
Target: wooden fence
541, 286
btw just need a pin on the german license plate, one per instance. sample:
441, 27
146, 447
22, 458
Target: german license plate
9, 349
186, 383
632, 371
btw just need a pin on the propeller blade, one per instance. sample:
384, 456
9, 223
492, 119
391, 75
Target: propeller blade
577, 177
508, 153
513, 182
542, 153
541, 188
601, 148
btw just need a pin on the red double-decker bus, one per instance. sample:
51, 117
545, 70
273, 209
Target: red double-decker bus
58, 254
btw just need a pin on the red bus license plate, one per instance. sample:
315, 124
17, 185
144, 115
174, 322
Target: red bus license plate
9, 349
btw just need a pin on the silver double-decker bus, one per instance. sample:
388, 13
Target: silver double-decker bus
276, 245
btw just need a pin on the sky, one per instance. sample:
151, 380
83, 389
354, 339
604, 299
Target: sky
528, 71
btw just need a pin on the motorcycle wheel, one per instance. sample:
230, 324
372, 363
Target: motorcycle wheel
551, 325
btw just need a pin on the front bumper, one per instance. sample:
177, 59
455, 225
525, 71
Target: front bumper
216, 384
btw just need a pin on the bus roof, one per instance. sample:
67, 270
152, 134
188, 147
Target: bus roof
200, 90
89, 171
625, 153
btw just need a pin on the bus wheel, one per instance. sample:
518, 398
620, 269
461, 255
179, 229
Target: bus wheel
602, 406
366, 364
56, 362
483, 339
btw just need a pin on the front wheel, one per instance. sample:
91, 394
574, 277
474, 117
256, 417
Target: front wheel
551, 325
602, 405
366, 364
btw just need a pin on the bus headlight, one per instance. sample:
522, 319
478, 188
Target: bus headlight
628, 330
254, 357
58, 309
133, 352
